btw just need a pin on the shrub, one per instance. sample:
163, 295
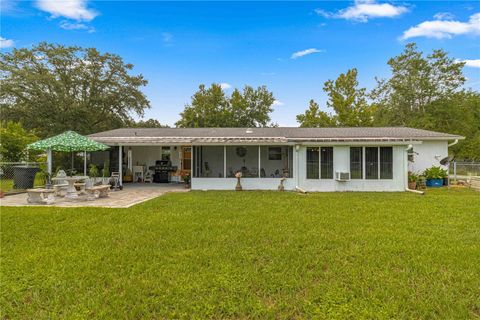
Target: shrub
435, 173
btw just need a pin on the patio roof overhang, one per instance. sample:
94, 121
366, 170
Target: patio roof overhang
165, 141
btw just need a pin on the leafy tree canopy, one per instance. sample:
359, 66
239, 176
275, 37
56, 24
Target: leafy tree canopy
14, 140
211, 107
415, 83
53, 88
348, 102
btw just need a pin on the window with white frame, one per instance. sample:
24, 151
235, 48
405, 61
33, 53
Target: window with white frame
319, 162
378, 162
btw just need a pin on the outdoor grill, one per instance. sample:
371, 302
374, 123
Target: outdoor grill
162, 170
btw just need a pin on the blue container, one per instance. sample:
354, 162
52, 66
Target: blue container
434, 183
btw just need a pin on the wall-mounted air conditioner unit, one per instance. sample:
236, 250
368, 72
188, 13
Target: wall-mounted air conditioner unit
342, 176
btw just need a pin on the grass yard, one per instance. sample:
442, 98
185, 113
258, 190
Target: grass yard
247, 255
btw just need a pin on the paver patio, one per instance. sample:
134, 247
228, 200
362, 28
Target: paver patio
131, 194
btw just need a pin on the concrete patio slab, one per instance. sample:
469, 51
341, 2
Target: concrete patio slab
131, 195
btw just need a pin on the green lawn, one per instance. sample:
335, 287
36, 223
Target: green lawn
247, 255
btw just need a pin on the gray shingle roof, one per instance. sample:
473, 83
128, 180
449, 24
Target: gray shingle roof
284, 133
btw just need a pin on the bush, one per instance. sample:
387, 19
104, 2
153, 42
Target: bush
435, 173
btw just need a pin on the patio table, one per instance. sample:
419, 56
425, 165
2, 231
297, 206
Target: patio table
71, 191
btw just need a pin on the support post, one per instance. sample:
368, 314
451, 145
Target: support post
85, 163
224, 161
49, 161
120, 160
259, 163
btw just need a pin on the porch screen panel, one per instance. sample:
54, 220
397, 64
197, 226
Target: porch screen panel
313, 164
208, 161
371, 162
356, 163
242, 159
276, 162
326, 163
386, 163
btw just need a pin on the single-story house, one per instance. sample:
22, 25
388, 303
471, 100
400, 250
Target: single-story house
313, 159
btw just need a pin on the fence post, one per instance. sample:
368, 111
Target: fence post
455, 170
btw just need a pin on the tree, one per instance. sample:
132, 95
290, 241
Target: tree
212, 108
53, 88
209, 108
457, 114
14, 141
314, 117
349, 103
416, 82
150, 123
251, 108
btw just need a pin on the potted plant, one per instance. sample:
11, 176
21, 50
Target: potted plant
238, 175
186, 178
412, 180
434, 176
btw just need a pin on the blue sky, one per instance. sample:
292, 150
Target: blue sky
291, 47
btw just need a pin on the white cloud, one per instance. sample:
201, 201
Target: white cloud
6, 43
440, 29
363, 10
444, 16
306, 52
225, 86
277, 103
473, 63
76, 26
71, 9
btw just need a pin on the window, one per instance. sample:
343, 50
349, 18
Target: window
326, 163
356, 163
371, 162
274, 153
386, 163
313, 163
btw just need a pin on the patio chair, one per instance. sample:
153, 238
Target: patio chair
148, 177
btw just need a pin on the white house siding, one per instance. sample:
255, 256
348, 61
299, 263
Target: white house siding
429, 154
341, 162
247, 183
341, 159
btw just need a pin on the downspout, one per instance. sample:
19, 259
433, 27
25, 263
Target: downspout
405, 169
453, 143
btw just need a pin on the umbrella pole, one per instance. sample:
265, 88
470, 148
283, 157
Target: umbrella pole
72, 164
85, 163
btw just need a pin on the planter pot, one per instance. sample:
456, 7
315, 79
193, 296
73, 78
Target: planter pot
412, 185
434, 183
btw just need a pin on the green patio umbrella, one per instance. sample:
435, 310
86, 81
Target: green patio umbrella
69, 141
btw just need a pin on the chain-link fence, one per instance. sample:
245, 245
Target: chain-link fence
464, 169
19, 176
